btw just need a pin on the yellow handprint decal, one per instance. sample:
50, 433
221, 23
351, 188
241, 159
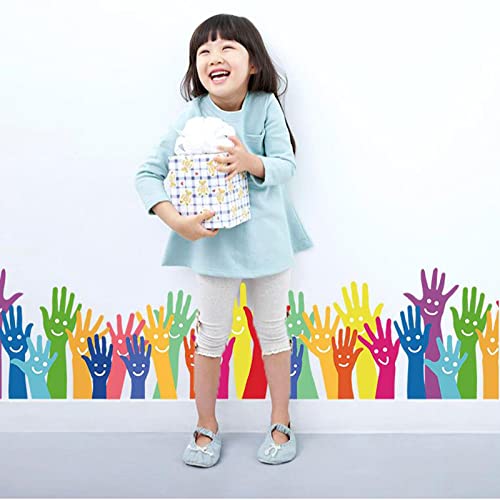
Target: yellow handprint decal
320, 344
356, 315
242, 349
157, 333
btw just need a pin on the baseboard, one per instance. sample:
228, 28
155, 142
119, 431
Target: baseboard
314, 416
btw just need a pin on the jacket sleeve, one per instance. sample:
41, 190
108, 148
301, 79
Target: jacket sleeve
278, 158
151, 174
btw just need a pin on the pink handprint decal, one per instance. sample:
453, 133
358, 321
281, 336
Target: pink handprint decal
384, 353
119, 342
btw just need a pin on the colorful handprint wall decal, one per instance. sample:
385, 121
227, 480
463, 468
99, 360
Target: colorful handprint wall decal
350, 351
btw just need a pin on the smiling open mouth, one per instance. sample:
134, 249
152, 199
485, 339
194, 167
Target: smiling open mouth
219, 76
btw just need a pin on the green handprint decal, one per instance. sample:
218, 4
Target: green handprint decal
54, 325
465, 325
306, 388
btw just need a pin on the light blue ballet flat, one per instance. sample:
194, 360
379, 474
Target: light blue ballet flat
203, 456
271, 452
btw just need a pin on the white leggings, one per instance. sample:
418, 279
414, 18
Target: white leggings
267, 299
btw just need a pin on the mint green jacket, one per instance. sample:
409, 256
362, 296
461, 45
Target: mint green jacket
266, 243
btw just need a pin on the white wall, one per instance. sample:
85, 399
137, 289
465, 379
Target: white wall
394, 106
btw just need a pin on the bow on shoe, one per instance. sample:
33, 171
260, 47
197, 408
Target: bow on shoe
203, 449
273, 449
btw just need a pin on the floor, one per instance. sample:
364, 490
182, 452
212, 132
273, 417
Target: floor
149, 465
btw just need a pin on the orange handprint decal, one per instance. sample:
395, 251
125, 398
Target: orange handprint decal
355, 316
82, 382
242, 350
320, 344
488, 342
157, 333
189, 349
345, 357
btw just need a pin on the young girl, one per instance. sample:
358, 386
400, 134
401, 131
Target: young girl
231, 76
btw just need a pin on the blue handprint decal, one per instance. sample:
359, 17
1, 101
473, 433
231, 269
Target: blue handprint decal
99, 365
414, 341
13, 338
37, 367
295, 366
446, 368
137, 364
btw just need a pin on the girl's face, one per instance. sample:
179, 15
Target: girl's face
230, 57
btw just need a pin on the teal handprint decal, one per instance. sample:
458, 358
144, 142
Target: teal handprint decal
55, 324
37, 367
447, 367
180, 328
295, 324
465, 325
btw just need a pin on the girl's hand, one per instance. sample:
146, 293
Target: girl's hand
239, 159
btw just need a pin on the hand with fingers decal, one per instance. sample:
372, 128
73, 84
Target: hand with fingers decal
447, 367
472, 317
157, 334
306, 387
345, 358
242, 349
37, 367
62, 317
181, 324
99, 365
414, 341
223, 389
189, 350
256, 385
358, 313
5, 303
295, 366
432, 305
137, 364
14, 340
320, 344
384, 353
119, 338
488, 342
82, 382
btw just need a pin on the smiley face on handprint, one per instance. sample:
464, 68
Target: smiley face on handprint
472, 317
413, 340
449, 362
12, 334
